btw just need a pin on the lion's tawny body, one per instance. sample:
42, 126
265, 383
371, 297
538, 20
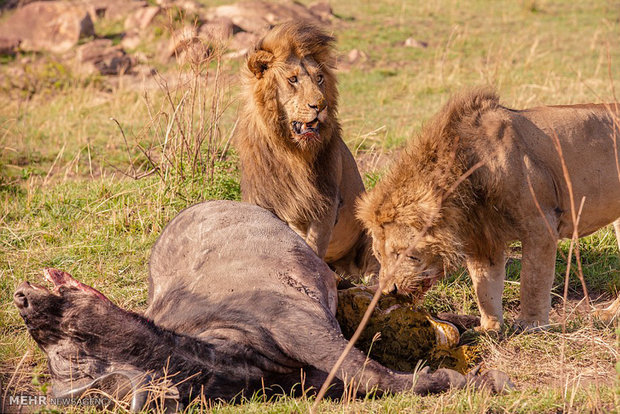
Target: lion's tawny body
518, 169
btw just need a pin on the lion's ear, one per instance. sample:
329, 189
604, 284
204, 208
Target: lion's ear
259, 62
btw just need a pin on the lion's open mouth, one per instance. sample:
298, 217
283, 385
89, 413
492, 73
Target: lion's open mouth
307, 130
415, 288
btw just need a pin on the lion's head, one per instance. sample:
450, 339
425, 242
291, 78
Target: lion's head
426, 213
412, 242
292, 85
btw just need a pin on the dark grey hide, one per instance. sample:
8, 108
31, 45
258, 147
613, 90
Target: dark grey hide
238, 304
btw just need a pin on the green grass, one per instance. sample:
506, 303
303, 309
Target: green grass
68, 201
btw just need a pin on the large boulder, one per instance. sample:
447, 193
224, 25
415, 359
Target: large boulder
243, 41
141, 18
9, 45
113, 9
218, 30
187, 47
101, 56
53, 26
136, 23
257, 16
250, 20
322, 10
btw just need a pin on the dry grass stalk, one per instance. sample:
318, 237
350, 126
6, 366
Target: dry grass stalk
185, 129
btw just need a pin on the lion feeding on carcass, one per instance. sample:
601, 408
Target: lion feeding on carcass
293, 159
481, 175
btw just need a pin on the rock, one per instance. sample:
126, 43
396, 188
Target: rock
322, 10
247, 19
195, 52
218, 30
187, 47
411, 42
10, 4
407, 335
9, 46
179, 40
141, 18
131, 40
135, 23
101, 56
114, 9
243, 41
53, 26
356, 56
189, 6
257, 16
278, 12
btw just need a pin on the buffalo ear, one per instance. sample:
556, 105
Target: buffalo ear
259, 62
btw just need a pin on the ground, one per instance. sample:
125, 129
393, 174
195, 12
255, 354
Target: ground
91, 170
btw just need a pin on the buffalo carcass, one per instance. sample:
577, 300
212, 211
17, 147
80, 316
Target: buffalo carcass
238, 304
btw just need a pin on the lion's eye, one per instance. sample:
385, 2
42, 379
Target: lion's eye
292, 80
320, 79
413, 259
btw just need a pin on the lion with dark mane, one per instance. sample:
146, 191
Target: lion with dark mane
481, 175
293, 159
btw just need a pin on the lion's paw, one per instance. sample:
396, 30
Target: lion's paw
522, 325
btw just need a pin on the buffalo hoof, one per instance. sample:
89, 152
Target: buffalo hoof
492, 380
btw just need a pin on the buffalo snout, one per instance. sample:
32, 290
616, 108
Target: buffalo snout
20, 297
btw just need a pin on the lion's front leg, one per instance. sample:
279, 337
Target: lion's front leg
488, 278
537, 274
320, 231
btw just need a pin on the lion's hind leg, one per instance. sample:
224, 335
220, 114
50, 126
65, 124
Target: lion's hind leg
610, 313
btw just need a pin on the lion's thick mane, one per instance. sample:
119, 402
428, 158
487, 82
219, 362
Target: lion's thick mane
278, 167
473, 218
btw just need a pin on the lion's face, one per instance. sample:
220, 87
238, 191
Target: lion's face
301, 94
292, 85
408, 264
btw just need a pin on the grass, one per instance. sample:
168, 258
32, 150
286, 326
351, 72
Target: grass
68, 199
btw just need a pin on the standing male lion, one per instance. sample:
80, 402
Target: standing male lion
481, 175
293, 159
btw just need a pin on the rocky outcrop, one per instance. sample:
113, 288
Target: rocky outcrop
101, 56
113, 9
185, 30
53, 26
257, 16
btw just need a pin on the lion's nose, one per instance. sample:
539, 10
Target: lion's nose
319, 106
